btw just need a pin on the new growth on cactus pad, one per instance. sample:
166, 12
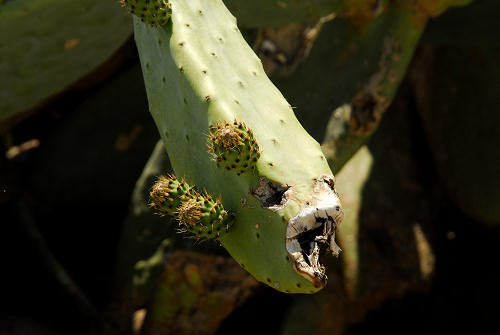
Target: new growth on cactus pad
234, 146
197, 214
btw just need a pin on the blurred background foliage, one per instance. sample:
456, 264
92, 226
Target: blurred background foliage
403, 96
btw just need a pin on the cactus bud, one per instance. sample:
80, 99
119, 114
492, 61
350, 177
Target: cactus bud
198, 214
154, 12
234, 146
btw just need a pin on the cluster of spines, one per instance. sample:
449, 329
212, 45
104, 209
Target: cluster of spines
234, 146
168, 193
154, 12
204, 217
198, 214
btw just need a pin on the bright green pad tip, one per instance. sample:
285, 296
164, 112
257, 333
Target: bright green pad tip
154, 12
234, 147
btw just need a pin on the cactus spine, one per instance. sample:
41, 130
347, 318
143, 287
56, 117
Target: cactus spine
200, 76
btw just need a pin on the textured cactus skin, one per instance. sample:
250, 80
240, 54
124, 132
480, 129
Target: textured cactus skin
199, 71
47, 45
154, 12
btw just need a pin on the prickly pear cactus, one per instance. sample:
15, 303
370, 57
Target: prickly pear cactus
200, 76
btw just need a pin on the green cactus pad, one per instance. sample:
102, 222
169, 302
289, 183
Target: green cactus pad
155, 12
167, 194
234, 146
199, 71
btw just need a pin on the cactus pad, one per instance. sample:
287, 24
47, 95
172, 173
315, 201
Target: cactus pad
234, 146
200, 76
154, 12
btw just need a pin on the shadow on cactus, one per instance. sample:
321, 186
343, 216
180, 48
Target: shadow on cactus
269, 173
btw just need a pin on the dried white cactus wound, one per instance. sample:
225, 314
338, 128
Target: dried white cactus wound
312, 232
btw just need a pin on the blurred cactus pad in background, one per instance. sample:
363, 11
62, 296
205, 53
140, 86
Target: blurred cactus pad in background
241, 167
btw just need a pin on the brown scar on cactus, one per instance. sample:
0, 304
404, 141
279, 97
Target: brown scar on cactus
370, 103
366, 112
233, 146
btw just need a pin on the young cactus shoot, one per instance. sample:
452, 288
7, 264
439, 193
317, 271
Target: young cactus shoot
197, 214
